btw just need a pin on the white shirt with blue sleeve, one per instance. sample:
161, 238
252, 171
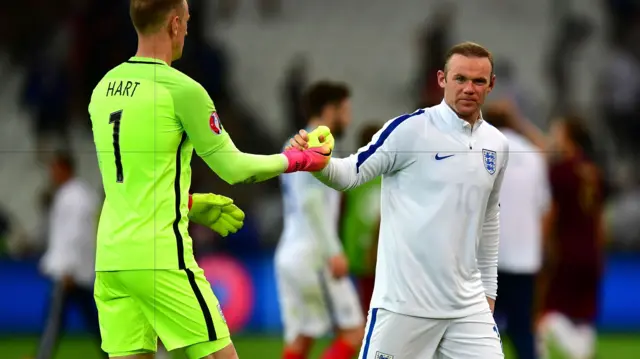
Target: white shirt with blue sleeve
439, 234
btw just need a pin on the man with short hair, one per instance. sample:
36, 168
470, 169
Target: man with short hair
442, 169
316, 294
147, 118
576, 242
575, 234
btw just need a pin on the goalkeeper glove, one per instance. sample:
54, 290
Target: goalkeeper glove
317, 154
216, 212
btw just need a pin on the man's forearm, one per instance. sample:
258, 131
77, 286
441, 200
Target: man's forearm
487, 256
343, 174
234, 166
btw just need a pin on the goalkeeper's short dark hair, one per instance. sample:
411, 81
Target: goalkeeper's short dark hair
322, 94
149, 16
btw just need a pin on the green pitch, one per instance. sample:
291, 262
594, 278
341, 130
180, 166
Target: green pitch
614, 346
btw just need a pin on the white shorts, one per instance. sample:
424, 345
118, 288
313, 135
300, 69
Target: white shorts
313, 304
390, 335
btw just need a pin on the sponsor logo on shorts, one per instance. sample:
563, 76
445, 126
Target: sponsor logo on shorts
381, 355
214, 123
221, 314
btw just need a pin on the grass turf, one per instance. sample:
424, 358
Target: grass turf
614, 346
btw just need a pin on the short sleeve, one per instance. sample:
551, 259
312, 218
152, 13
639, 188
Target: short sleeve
197, 114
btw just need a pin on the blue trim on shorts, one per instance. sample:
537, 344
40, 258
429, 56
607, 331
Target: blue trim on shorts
374, 314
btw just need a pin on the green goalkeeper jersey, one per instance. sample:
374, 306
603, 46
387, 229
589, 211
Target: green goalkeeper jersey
146, 118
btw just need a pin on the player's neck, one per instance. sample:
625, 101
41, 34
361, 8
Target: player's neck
155, 47
471, 119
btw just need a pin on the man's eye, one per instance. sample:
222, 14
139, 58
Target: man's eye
460, 79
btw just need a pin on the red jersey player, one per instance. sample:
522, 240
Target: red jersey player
574, 243
575, 235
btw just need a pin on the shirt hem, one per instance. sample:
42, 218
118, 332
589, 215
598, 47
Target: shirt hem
473, 309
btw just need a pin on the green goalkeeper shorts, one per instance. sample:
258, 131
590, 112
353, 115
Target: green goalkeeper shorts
178, 306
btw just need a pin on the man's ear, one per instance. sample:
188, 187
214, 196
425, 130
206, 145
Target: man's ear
492, 82
442, 78
175, 25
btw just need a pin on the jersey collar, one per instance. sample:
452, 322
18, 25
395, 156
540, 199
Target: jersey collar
146, 60
456, 122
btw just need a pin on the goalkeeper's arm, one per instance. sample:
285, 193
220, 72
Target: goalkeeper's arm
234, 166
199, 119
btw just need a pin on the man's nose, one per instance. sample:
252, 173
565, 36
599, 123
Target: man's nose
468, 88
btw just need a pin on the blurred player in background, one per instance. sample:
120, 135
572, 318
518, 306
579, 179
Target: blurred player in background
442, 169
576, 243
575, 235
360, 227
316, 294
147, 118
70, 257
525, 201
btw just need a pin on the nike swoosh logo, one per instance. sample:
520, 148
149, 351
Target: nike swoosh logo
324, 154
438, 157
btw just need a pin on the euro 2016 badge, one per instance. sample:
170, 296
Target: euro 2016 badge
489, 159
380, 355
214, 123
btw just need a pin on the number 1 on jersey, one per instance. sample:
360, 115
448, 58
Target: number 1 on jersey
114, 119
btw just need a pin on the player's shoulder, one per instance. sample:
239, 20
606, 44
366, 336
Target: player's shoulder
182, 82
183, 90
180, 76
160, 73
405, 124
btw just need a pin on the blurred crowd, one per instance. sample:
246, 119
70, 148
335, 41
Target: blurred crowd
67, 46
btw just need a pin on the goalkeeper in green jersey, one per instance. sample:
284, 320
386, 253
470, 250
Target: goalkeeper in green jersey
147, 118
